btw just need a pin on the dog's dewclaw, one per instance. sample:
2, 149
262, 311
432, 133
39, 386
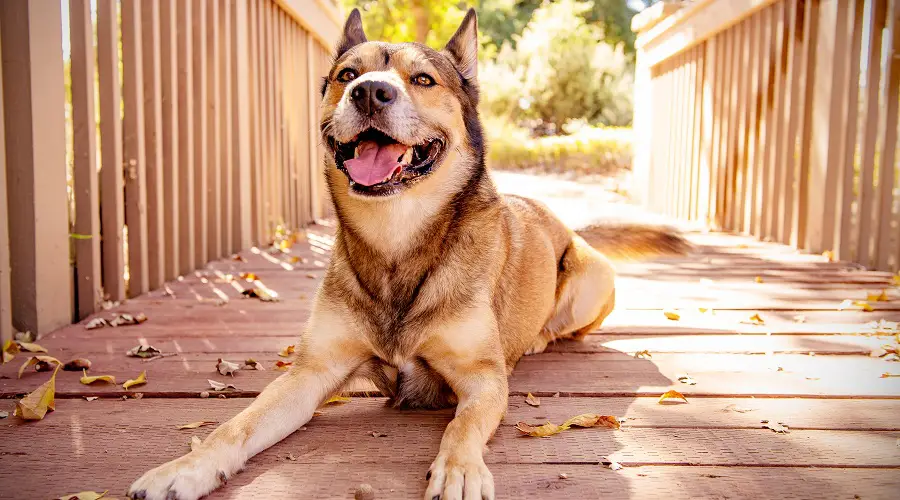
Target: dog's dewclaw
364, 492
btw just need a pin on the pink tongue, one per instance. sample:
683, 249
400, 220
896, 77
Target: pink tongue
373, 163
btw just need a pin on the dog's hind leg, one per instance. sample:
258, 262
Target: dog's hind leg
585, 295
326, 356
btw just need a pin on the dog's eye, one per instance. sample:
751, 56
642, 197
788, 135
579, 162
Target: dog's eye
423, 80
347, 75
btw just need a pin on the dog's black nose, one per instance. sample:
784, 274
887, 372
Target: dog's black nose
372, 96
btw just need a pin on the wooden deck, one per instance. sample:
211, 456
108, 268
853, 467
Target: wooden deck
816, 375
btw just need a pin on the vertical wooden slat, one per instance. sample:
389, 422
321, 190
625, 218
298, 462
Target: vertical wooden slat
810, 35
112, 203
226, 163
6, 328
696, 127
86, 188
716, 121
303, 111
254, 110
271, 166
134, 153
33, 103
278, 119
792, 95
200, 102
672, 74
727, 130
241, 121
764, 126
214, 120
153, 143
683, 138
844, 220
186, 144
875, 23
261, 122
290, 107
740, 182
706, 163
168, 23
287, 203
775, 167
886, 247
753, 95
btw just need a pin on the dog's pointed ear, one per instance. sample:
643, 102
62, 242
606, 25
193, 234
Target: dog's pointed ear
353, 34
463, 47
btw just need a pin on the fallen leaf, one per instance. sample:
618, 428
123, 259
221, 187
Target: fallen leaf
778, 427
671, 397
34, 360
672, 315
126, 319
532, 401
336, 400
592, 420
86, 380
862, 304
376, 434
889, 375
194, 425
613, 465
227, 367
77, 364
36, 404
195, 443
10, 349
143, 351
291, 457
30, 347
882, 297
756, 319
294, 260
563, 475
645, 354
84, 495
96, 323
140, 380
253, 364
687, 379
249, 276
220, 386
283, 365
828, 254
27, 336
545, 430
4, 414
311, 276
260, 293
238, 257
286, 352
896, 279
91, 398
758, 279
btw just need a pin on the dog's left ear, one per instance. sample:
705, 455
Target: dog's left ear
463, 47
353, 34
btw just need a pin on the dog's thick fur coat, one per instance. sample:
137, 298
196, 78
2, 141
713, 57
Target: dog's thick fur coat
437, 286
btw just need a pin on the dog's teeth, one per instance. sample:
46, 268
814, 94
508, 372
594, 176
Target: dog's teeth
407, 156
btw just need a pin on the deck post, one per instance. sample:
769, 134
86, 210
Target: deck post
241, 121
35, 164
6, 329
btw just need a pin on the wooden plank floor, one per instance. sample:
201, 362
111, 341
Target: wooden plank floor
809, 365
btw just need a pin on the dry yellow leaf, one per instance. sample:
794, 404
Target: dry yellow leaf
879, 297
194, 425
672, 315
43, 399
10, 349
828, 254
287, 351
532, 401
283, 365
864, 304
261, 293
672, 397
84, 495
645, 354
545, 430
31, 347
34, 360
336, 400
758, 279
140, 380
249, 276
896, 279
756, 319
592, 420
88, 380
889, 375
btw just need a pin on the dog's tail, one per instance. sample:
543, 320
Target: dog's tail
623, 241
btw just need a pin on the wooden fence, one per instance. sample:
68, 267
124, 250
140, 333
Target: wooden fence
775, 118
176, 132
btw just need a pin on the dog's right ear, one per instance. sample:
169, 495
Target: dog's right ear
353, 34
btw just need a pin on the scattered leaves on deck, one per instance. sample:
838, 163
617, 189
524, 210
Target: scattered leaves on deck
4, 414
96, 323
283, 365
88, 380
238, 258
778, 427
143, 351
77, 364
249, 276
261, 293
861, 304
756, 320
687, 379
140, 380
10, 349
37, 360
84, 495
336, 400
220, 386
583, 420
672, 397
287, 351
645, 354
36, 404
532, 400
194, 425
31, 347
878, 297
252, 364
758, 279
227, 367
672, 315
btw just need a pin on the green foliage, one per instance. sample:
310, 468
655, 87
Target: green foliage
432, 22
559, 71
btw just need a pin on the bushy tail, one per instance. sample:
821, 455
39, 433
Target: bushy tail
634, 241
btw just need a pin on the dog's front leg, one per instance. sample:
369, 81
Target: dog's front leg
476, 372
326, 355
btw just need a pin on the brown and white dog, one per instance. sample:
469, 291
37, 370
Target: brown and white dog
437, 284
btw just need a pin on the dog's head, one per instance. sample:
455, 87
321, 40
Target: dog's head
397, 116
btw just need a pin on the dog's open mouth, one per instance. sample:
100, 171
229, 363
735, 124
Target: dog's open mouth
377, 164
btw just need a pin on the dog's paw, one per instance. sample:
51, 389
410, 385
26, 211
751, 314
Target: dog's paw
187, 478
459, 476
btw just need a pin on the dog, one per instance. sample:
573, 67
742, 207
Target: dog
437, 285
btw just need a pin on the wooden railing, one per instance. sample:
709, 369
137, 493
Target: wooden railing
775, 118
189, 131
